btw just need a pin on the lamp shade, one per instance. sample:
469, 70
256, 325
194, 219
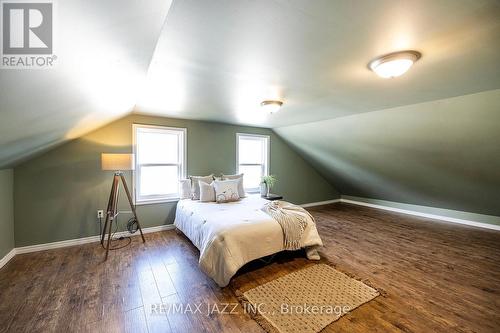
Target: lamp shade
117, 162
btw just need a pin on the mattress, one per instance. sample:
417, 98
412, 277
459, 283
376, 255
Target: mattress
229, 235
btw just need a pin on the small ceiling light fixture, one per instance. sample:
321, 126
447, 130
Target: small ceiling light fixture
394, 64
271, 106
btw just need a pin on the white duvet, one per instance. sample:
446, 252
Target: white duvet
232, 234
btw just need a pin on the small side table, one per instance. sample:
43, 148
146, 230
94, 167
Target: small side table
272, 197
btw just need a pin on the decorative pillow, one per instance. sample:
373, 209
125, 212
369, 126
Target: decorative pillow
195, 186
185, 188
207, 192
226, 190
241, 188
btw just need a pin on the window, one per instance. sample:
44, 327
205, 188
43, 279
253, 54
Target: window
160, 162
252, 159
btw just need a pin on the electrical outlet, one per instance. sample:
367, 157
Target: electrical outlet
100, 214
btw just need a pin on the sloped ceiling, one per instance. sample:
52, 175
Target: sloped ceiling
442, 153
104, 49
217, 60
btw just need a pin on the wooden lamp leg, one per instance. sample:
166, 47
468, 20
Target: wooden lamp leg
111, 193
111, 213
132, 206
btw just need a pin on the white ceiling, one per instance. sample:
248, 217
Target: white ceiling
104, 49
217, 60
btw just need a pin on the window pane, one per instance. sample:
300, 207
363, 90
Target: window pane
159, 180
252, 175
251, 150
159, 148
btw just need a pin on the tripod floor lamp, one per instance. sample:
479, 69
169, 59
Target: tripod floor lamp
117, 163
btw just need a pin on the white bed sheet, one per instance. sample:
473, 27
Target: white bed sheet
232, 234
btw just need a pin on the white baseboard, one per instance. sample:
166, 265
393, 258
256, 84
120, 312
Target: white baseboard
73, 242
7, 257
426, 215
320, 203
409, 212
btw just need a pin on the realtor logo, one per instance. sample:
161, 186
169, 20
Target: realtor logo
27, 29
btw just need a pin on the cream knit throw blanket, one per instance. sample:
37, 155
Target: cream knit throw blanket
292, 219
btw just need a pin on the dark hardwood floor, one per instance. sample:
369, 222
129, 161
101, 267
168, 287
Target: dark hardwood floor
438, 277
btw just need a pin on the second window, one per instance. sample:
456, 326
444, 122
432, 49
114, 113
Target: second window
252, 159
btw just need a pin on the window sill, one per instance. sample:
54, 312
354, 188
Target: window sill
156, 201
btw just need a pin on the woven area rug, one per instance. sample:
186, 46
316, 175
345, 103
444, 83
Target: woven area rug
306, 300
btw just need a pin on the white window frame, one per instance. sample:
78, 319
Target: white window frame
266, 157
182, 132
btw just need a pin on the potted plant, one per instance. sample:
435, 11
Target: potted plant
267, 184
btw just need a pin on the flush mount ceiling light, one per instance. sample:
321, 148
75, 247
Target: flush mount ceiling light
271, 106
394, 64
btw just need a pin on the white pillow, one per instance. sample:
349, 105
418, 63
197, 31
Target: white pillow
207, 192
195, 186
185, 188
226, 190
241, 188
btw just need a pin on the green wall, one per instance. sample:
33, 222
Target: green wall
57, 194
443, 154
6, 212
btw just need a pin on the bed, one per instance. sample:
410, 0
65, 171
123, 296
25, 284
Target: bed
229, 235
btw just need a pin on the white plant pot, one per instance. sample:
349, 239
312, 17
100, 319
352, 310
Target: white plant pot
263, 189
